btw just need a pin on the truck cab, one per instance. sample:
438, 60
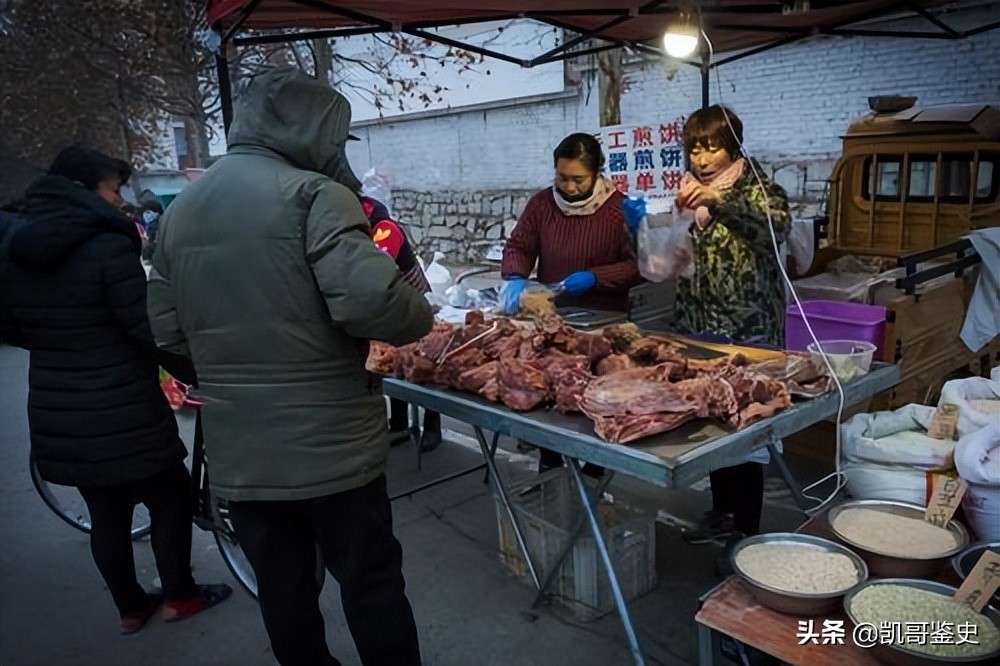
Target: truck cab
911, 179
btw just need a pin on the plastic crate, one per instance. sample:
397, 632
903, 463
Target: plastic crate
834, 320
547, 507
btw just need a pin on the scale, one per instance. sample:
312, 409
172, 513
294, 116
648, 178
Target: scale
586, 318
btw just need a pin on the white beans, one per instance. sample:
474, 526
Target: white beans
797, 568
891, 534
908, 606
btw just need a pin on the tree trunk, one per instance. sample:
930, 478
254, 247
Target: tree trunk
323, 59
610, 80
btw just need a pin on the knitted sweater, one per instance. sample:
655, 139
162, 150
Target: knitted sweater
562, 244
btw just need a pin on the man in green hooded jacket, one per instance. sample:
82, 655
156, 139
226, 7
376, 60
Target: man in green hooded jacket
266, 276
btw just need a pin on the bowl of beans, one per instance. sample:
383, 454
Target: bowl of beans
911, 622
894, 539
797, 574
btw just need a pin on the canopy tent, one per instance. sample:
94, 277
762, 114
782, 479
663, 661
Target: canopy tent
737, 27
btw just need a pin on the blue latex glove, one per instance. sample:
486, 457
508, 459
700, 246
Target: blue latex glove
579, 282
634, 210
511, 291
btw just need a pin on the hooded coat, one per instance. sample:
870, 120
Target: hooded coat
74, 295
266, 275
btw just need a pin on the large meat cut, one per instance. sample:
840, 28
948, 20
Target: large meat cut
631, 386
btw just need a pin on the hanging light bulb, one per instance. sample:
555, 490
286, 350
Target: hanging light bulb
681, 38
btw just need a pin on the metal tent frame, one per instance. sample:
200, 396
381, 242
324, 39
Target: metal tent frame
740, 28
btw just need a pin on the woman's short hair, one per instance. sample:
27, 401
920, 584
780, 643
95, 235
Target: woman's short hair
89, 167
715, 125
580, 146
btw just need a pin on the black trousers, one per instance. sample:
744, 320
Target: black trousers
167, 495
354, 533
739, 490
399, 417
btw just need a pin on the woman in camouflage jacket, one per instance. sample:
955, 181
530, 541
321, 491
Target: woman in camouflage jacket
737, 290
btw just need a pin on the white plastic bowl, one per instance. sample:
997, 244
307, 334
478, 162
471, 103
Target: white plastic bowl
849, 358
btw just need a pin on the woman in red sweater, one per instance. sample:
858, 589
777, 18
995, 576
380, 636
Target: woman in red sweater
576, 233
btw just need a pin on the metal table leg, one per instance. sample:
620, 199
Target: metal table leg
416, 433
602, 548
489, 451
706, 646
567, 548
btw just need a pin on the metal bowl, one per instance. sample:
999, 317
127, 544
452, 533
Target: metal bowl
903, 656
797, 603
888, 564
965, 560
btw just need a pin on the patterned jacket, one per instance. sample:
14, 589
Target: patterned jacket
737, 290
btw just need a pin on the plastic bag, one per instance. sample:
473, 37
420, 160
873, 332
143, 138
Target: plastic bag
438, 276
663, 246
972, 396
375, 185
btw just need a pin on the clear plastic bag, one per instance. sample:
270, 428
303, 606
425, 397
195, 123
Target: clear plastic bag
663, 247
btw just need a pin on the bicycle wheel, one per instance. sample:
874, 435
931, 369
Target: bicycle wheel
67, 503
229, 547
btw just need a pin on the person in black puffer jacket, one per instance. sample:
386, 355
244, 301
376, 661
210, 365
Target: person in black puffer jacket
74, 295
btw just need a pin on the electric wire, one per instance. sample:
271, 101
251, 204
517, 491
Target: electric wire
838, 473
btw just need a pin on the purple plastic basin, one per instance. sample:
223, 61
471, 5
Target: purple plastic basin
835, 320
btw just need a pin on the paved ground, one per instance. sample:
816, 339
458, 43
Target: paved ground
470, 610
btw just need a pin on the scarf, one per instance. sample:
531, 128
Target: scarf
603, 189
723, 180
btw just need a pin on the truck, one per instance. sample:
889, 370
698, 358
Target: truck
910, 183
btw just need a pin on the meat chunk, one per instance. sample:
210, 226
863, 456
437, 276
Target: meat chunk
522, 387
435, 343
621, 336
449, 371
413, 367
655, 349
381, 358
483, 380
568, 386
613, 362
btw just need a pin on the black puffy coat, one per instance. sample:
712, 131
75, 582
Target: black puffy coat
74, 295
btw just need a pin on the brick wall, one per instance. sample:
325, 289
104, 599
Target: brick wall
795, 102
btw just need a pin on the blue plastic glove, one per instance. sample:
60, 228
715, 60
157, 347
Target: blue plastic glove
511, 293
634, 210
579, 282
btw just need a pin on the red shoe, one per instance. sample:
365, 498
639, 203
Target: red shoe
133, 622
208, 596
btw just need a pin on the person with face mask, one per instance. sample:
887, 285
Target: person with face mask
266, 276
575, 232
149, 217
736, 292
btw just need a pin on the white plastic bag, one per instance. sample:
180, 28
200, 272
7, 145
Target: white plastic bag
966, 394
663, 246
896, 438
977, 459
887, 455
438, 276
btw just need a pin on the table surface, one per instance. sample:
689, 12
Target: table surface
676, 458
730, 609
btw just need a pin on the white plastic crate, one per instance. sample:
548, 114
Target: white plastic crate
547, 507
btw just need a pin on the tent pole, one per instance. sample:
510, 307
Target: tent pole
706, 70
225, 87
